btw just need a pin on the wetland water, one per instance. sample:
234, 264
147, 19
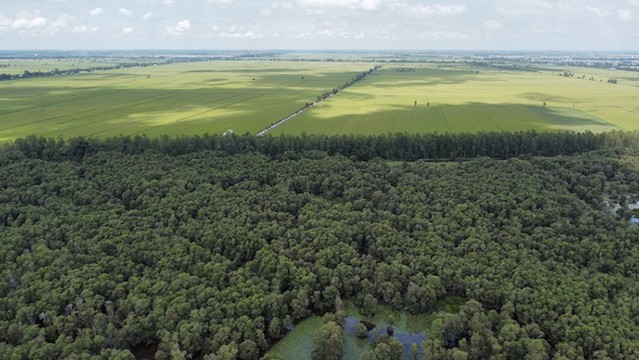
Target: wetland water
407, 328
405, 337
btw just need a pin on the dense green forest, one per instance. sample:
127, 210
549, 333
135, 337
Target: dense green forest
404, 147
210, 247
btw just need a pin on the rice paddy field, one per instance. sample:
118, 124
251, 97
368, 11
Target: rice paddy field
249, 96
186, 98
454, 98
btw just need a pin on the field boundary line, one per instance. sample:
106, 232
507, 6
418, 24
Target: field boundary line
491, 118
320, 99
445, 120
298, 112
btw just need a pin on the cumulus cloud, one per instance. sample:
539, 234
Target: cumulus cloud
149, 16
248, 34
286, 5
493, 25
84, 29
395, 23
353, 4
96, 11
4, 22
517, 8
625, 15
427, 10
26, 23
439, 9
597, 11
180, 28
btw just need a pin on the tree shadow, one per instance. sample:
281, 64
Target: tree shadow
466, 118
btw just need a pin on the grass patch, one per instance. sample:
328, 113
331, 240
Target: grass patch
451, 304
176, 99
298, 344
461, 99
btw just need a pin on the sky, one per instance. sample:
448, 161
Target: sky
320, 24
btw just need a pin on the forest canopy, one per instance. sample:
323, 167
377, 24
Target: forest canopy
211, 246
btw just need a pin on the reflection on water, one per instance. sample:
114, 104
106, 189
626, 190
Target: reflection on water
407, 339
633, 206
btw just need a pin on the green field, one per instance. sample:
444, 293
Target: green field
459, 98
248, 96
186, 98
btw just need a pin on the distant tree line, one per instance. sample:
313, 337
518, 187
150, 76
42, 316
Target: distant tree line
57, 72
399, 146
355, 79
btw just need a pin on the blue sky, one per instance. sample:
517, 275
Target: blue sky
320, 24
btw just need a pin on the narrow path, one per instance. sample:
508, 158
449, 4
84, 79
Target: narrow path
298, 112
325, 96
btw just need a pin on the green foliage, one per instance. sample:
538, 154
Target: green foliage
107, 246
389, 146
329, 342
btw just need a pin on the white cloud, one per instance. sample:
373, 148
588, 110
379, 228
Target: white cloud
127, 30
516, 8
35, 23
84, 29
597, 11
96, 11
4, 22
61, 23
438, 9
180, 28
428, 10
149, 16
555, 24
221, 1
28, 21
625, 15
493, 25
443, 35
353, 4
248, 34
286, 5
